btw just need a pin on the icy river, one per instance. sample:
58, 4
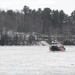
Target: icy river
36, 60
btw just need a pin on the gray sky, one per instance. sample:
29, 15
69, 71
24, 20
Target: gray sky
66, 5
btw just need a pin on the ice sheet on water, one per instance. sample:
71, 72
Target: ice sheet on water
36, 60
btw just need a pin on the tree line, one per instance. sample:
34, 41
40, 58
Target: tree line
46, 21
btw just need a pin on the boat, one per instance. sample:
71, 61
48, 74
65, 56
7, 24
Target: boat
57, 46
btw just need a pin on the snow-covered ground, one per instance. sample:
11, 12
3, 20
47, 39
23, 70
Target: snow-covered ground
36, 60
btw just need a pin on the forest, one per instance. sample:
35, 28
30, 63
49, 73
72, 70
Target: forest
47, 21
44, 21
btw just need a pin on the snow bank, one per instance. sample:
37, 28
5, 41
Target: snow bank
42, 43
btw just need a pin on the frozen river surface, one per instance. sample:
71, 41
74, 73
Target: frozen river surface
36, 60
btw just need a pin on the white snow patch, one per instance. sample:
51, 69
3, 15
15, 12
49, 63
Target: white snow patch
43, 43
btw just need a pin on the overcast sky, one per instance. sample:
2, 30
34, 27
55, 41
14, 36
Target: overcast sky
67, 5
